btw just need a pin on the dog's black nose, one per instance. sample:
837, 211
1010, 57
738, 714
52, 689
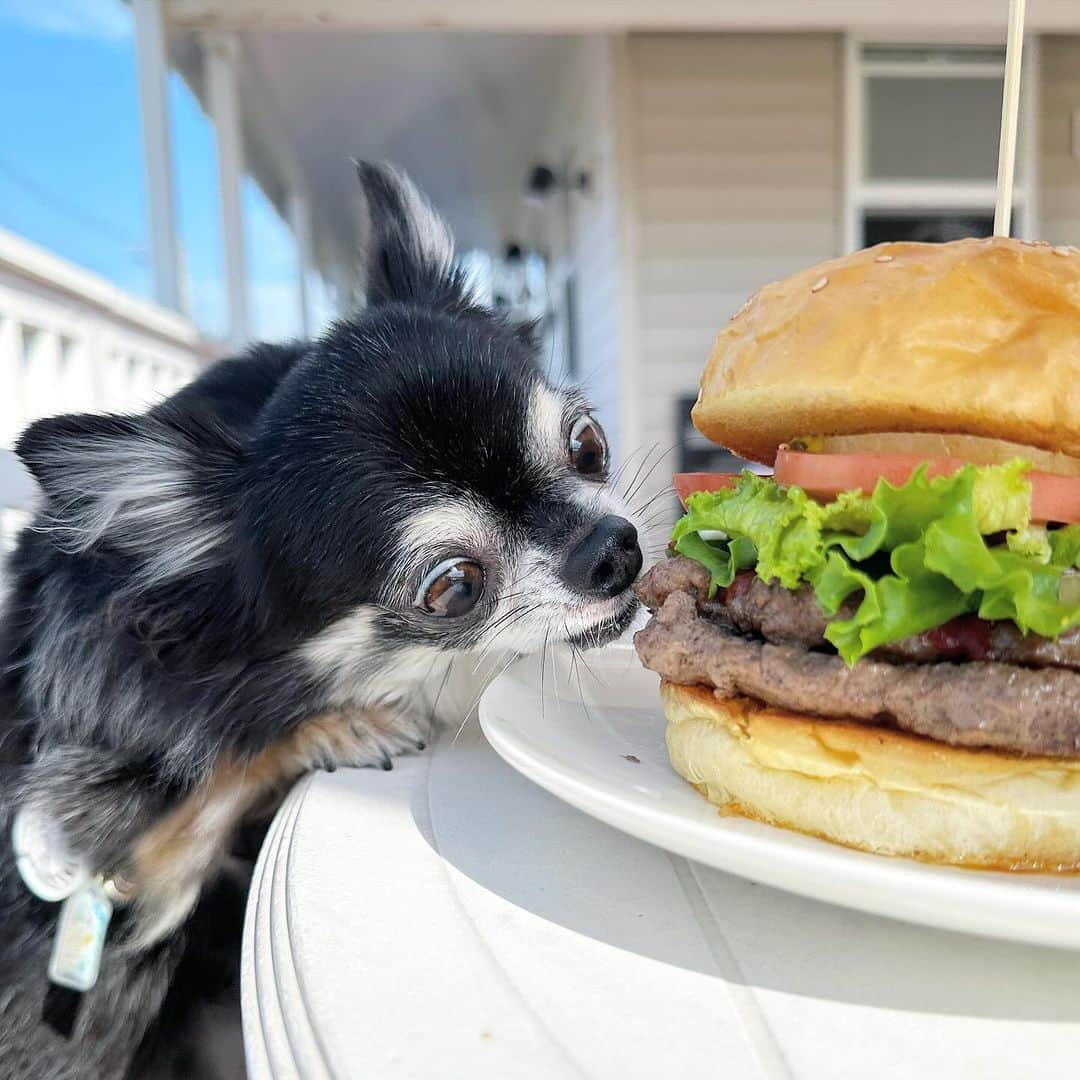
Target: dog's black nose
606, 560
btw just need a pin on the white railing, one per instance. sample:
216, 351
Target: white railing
72, 342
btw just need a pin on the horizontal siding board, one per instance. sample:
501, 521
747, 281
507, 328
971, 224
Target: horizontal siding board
812, 239
704, 311
737, 172
678, 341
686, 202
677, 373
797, 131
739, 275
715, 94
749, 57
778, 168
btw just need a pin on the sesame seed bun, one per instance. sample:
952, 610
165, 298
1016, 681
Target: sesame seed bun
874, 788
977, 337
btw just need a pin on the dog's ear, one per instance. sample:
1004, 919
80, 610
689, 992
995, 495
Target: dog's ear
152, 486
406, 249
47, 446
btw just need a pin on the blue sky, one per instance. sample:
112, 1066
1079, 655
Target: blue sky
71, 170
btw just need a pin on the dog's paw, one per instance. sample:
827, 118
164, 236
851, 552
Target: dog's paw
357, 737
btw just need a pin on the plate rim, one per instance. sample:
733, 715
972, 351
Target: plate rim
968, 901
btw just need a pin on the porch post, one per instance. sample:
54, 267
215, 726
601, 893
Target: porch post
153, 68
221, 53
300, 220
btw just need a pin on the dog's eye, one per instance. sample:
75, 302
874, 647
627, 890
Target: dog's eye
588, 446
451, 589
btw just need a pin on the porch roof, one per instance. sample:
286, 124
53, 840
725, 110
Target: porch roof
463, 114
577, 16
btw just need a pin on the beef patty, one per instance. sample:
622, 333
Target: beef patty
782, 615
975, 703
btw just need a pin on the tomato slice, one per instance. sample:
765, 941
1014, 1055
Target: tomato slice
1053, 498
824, 476
688, 482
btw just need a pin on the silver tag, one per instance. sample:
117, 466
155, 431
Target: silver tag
48, 867
80, 938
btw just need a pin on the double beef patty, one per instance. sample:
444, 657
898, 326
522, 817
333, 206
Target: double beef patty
762, 641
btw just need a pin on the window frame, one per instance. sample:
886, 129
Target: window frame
862, 195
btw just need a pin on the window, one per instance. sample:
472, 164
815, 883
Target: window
700, 455
922, 138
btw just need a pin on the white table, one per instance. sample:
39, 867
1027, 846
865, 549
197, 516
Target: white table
450, 919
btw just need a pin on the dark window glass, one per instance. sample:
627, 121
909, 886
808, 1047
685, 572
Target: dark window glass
930, 227
696, 453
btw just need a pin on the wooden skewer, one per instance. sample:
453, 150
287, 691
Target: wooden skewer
1010, 107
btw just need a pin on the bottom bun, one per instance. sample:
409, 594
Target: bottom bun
875, 788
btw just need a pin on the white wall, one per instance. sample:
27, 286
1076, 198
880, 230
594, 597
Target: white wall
735, 173
581, 230
1059, 159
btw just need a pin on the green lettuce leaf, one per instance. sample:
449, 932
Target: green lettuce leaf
777, 528
909, 557
1065, 547
1033, 541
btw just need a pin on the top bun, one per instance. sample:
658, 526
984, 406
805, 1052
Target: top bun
976, 337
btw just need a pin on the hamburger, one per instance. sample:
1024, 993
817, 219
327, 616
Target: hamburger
879, 643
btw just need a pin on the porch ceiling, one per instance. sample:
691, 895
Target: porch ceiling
463, 113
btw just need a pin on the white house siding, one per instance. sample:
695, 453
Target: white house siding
736, 160
1060, 147
581, 230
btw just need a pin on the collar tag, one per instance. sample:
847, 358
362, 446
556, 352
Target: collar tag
47, 865
80, 938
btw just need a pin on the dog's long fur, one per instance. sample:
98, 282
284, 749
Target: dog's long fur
218, 595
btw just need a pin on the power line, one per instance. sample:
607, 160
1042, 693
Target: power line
68, 209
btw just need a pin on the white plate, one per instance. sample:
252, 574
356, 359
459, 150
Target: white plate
579, 739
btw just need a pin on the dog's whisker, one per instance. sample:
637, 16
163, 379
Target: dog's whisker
585, 664
505, 616
581, 689
434, 712
505, 626
554, 670
626, 494
573, 650
638, 484
476, 700
656, 511
653, 519
663, 493
648, 467
513, 596
617, 475
511, 616
543, 674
